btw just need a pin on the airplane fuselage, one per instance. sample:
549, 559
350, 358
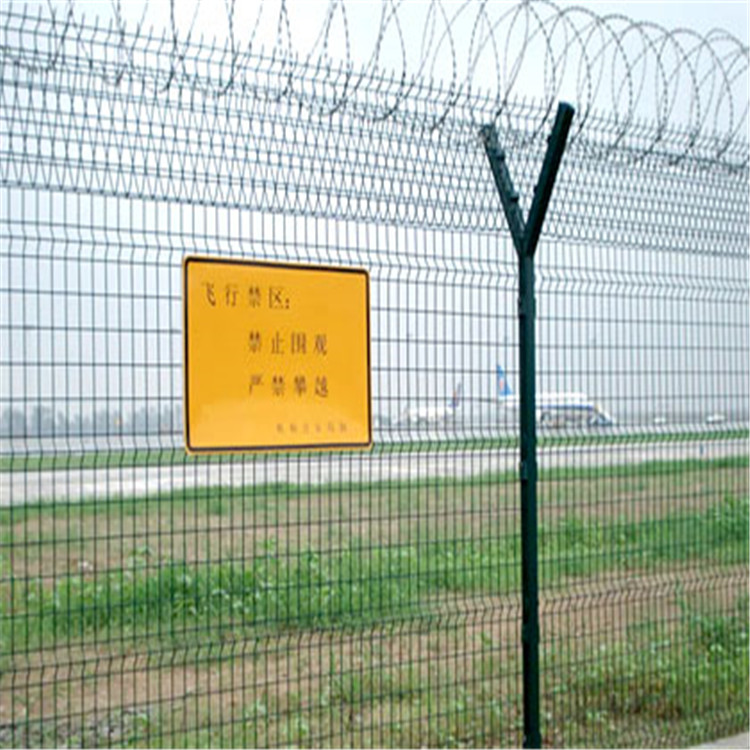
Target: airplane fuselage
566, 409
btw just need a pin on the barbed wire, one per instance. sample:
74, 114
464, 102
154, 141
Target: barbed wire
473, 61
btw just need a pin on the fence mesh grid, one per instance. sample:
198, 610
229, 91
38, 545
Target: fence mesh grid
357, 599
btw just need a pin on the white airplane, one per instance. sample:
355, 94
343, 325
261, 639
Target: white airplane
432, 415
557, 409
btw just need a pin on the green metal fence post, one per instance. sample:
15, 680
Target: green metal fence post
529, 550
525, 237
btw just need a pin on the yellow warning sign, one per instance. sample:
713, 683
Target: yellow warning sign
277, 356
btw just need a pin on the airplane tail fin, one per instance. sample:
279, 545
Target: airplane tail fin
456, 398
503, 387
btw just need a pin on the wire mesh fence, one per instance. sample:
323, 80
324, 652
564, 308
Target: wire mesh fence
348, 598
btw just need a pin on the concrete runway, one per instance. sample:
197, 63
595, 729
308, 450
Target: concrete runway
738, 741
70, 485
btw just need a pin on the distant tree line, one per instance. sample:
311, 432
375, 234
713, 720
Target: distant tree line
39, 420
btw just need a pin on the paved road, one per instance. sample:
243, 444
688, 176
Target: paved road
18, 488
739, 741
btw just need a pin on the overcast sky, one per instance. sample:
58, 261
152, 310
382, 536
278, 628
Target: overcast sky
699, 15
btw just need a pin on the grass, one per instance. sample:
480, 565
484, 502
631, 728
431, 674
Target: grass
384, 614
681, 681
252, 498
176, 456
687, 683
358, 585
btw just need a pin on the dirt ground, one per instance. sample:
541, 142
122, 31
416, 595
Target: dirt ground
469, 646
119, 536
448, 675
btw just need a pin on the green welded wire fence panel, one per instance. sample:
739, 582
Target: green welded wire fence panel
372, 599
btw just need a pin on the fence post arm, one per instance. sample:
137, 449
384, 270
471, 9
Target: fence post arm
543, 190
504, 184
525, 237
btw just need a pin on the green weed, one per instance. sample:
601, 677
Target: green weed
686, 676
355, 585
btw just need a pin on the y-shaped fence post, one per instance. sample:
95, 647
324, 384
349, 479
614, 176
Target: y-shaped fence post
525, 237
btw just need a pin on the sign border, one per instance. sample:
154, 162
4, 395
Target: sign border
312, 447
